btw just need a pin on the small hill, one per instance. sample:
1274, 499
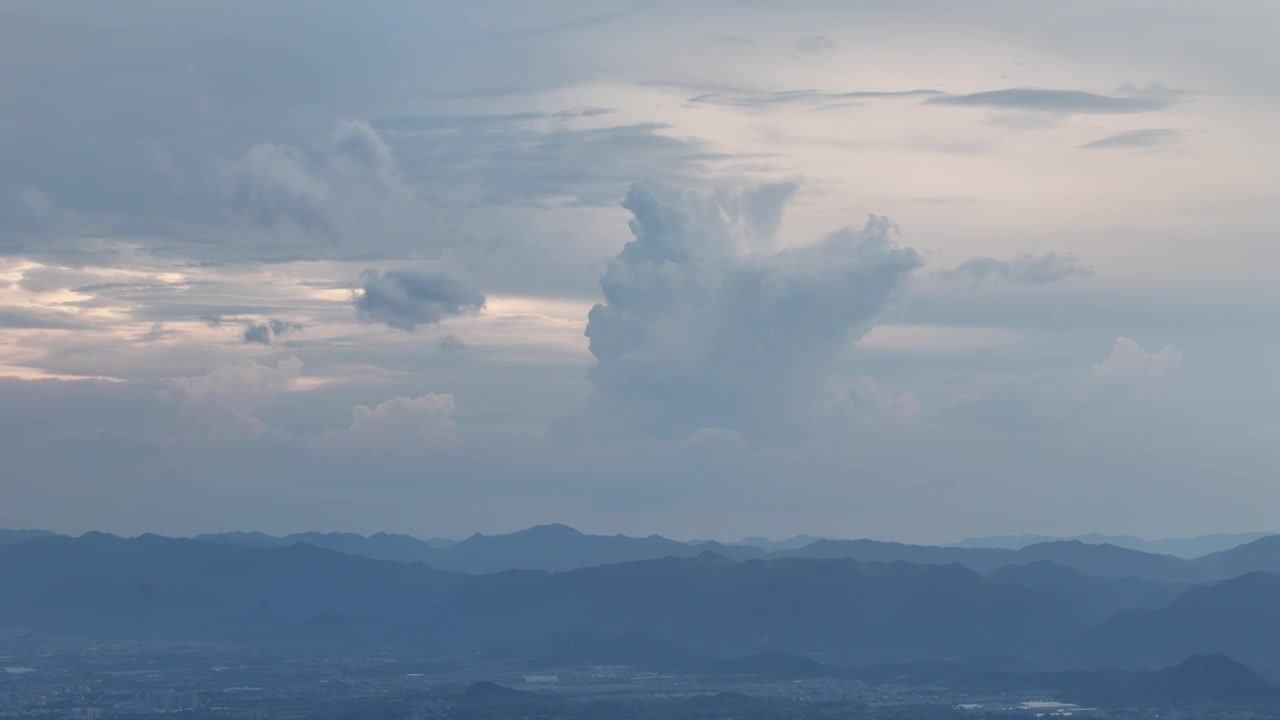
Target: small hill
1198, 679
494, 700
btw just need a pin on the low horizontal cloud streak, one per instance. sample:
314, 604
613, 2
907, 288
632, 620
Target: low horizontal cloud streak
1021, 270
1061, 101
1143, 139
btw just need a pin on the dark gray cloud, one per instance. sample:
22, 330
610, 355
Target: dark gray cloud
264, 332
1063, 101
1144, 139
1021, 270
354, 172
694, 334
157, 331
406, 299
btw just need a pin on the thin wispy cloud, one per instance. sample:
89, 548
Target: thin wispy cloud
1062, 101
1143, 139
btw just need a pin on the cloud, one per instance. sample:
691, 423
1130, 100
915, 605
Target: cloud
270, 181
155, 333
263, 333
537, 159
1129, 362
815, 44
866, 393
348, 190
241, 387
1144, 139
1022, 270
694, 333
406, 299
35, 201
821, 98
24, 318
451, 344
1063, 101
404, 424
221, 404
756, 211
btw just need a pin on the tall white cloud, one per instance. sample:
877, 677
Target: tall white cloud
695, 333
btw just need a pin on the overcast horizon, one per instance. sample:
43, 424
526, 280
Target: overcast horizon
912, 271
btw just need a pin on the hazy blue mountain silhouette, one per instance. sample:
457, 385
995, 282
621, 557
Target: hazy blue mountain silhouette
1090, 559
1183, 547
558, 547
180, 585
544, 547
713, 606
11, 537
1262, 555
709, 605
1239, 617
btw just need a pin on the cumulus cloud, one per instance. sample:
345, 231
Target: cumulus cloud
407, 424
1022, 270
241, 387
756, 211
406, 299
263, 333
1129, 362
694, 333
222, 402
1063, 101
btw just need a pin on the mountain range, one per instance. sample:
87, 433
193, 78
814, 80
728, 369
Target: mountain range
708, 605
555, 548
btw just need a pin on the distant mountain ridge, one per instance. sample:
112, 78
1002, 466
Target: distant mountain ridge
11, 537
1183, 547
549, 548
558, 547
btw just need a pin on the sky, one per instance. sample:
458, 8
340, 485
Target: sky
910, 270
